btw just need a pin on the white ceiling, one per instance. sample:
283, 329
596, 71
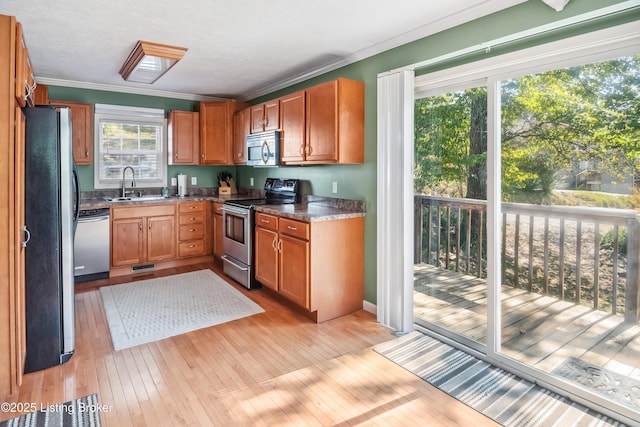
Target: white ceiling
237, 49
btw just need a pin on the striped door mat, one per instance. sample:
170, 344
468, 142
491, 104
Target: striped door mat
83, 412
498, 394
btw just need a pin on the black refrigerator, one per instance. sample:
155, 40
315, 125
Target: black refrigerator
51, 211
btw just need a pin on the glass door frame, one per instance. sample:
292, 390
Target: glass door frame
600, 45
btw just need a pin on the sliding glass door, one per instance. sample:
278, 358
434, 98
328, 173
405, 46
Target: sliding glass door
550, 160
450, 180
569, 258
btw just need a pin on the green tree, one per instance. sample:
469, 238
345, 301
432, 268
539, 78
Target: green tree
549, 121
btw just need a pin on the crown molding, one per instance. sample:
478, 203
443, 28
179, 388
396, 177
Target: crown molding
131, 90
430, 28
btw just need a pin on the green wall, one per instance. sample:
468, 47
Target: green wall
206, 174
359, 181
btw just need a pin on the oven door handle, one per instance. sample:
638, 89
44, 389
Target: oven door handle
236, 211
231, 261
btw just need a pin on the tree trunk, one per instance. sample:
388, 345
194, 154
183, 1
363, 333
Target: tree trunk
477, 178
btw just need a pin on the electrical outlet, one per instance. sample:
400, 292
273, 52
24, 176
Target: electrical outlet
334, 187
174, 181
194, 180
251, 181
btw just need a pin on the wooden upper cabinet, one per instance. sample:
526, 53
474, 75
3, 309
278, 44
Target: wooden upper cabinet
335, 122
292, 128
241, 128
265, 116
81, 130
21, 68
216, 132
184, 138
41, 95
323, 124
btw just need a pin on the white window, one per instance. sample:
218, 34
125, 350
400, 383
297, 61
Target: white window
130, 136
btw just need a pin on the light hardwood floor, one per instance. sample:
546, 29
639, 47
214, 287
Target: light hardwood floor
276, 368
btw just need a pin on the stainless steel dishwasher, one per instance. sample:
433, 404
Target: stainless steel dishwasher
91, 245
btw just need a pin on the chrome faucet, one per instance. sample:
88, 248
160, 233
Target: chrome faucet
133, 181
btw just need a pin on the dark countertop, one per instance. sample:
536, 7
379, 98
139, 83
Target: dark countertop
102, 203
307, 212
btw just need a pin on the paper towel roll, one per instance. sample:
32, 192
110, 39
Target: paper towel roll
182, 185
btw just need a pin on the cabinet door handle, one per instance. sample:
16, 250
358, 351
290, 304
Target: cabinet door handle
140, 226
292, 228
301, 150
149, 226
27, 235
86, 153
280, 246
273, 244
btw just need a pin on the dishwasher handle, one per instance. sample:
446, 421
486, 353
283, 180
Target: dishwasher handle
94, 219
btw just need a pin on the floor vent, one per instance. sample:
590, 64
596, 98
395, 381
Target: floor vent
144, 267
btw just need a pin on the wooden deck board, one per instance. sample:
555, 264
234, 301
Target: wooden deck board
538, 330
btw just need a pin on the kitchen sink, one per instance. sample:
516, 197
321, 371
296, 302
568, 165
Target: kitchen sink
135, 199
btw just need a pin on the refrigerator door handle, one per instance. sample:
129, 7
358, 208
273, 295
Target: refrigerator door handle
27, 234
76, 189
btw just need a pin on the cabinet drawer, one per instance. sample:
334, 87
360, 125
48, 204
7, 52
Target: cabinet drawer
191, 248
191, 207
266, 221
194, 218
191, 231
294, 228
217, 208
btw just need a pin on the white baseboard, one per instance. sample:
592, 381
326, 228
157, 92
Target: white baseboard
370, 307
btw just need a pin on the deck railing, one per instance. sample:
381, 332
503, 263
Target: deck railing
586, 255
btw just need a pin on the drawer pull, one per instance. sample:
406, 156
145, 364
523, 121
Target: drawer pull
192, 246
292, 228
266, 221
192, 230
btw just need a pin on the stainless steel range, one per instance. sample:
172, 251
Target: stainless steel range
238, 223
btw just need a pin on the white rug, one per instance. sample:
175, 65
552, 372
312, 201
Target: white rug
150, 310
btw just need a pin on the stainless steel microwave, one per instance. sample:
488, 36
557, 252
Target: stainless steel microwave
263, 149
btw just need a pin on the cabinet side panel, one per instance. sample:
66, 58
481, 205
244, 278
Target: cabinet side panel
337, 267
7, 218
351, 121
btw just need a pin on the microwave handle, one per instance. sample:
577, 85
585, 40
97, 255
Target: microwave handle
266, 153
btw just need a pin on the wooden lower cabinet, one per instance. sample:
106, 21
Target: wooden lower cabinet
266, 255
294, 270
142, 234
218, 231
161, 231
192, 229
319, 266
